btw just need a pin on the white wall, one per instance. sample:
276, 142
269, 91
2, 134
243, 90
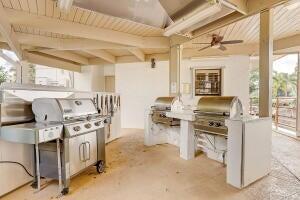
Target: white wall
235, 77
109, 70
91, 78
139, 84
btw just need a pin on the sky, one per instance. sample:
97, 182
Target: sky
286, 64
10, 54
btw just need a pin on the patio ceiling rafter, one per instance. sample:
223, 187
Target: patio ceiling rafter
102, 54
8, 33
138, 53
54, 25
67, 55
51, 61
64, 43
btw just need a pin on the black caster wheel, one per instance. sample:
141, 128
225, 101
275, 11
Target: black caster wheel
100, 166
34, 185
65, 191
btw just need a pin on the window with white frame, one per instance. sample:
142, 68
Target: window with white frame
208, 82
8, 67
12, 70
43, 75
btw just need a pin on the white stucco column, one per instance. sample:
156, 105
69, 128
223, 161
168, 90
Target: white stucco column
187, 140
174, 73
298, 98
265, 63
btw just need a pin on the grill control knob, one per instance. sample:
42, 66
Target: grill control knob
97, 123
218, 124
76, 128
211, 123
162, 115
88, 126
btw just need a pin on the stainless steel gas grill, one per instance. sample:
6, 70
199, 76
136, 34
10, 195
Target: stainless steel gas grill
161, 106
209, 125
83, 136
212, 111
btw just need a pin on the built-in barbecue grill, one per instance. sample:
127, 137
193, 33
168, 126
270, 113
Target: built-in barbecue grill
212, 111
161, 106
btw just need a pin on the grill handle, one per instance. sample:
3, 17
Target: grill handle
81, 152
87, 152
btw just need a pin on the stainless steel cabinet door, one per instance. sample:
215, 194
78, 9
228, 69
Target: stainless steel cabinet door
77, 160
90, 148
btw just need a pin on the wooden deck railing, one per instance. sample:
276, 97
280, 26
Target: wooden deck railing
284, 111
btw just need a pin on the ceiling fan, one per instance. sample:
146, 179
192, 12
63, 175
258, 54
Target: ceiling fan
218, 43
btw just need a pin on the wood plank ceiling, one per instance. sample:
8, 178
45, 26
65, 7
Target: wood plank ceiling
49, 8
286, 23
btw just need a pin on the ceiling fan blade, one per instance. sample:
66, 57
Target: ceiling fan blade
232, 42
201, 43
222, 48
204, 48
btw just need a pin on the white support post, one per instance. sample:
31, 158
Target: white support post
174, 73
298, 98
265, 63
187, 140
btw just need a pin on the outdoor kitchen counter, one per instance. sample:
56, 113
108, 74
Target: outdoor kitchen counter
187, 115
187, 143
249, 150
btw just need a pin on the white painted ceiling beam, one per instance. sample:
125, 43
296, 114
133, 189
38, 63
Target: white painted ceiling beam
8, 33
98, 61
79, 43
68, 56
51, 61
238, 5
102, 54
138, 53
65, 44
280, 45
286, 43
131, 59
253, 7
80, 30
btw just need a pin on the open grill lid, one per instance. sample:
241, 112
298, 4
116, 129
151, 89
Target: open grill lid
224, 105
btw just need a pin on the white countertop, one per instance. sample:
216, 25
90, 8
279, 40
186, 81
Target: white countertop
249, 118
187, 115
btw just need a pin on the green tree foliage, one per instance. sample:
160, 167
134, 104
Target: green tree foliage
284, 84
3, 75
254, 83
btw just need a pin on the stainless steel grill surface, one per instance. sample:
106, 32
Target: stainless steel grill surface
212, 112
83, 136
161, 106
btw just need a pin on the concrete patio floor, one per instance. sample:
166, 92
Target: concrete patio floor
135, 171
